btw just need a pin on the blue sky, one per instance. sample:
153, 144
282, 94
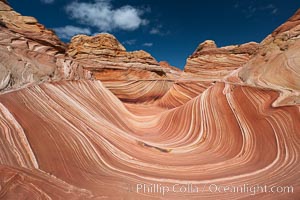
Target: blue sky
168, 29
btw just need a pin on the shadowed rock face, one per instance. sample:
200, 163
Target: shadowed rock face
70, 136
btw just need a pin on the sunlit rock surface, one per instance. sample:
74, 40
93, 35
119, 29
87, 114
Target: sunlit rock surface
277, 64
30, 53
132, 76
96, 134
207, 65
108, 59
80, 135
211, 63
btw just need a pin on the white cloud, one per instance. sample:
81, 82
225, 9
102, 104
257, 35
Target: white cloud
158, 30
274, 11
69, 31
272, 8
47, 1
101, 15
148, 44
129, 42
250, 9
155, 31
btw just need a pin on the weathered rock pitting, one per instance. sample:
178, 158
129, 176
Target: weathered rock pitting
103, 53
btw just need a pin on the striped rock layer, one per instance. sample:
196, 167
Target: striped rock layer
31, 54
75, 139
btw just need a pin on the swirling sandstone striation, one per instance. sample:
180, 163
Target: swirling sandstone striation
30, 53
204, 67
210, 63
90, 139
276, 65
132, 76
234, 139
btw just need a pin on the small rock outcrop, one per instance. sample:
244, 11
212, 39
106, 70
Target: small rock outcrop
30, 53
108, 59
276, 65
209, 62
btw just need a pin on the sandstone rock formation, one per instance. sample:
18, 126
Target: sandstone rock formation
71, 136
108, 59
212, 63
207, 65
132, 76
30, 53
87, 141
276, 65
